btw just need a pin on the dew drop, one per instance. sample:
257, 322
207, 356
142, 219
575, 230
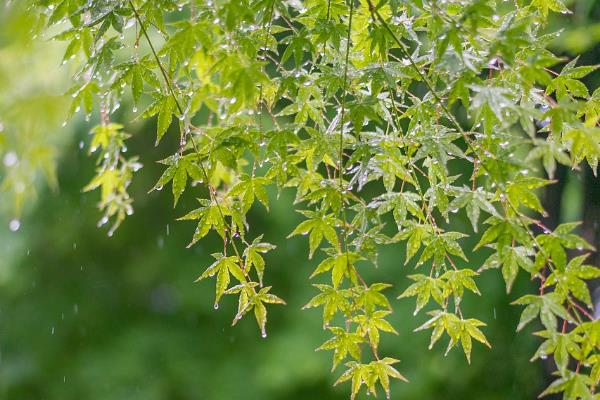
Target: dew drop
216, 306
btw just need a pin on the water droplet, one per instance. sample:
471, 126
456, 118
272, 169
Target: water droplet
10, 159
216, 306
102, 221
14, 224
263, 333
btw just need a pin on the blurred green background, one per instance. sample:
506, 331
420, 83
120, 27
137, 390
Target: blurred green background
85, 316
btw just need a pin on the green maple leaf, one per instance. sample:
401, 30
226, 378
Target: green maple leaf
584, 144
253, 256
332, 300
572, 279
343, 344
223, 267
250, 188
425, 287
458, 329
547, 306
317, 226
